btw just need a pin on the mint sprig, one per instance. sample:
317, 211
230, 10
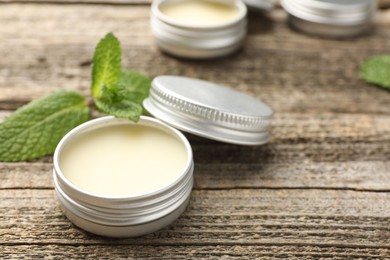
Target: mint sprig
376, 70
35, 129
116, 92
106, 65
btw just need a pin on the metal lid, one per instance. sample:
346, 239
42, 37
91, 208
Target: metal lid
332, 11
210, 110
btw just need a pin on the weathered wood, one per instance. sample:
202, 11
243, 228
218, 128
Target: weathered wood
381, 3
319, 189
203, 252
287, 162
184, 252
341, 176
59, 57
226, 217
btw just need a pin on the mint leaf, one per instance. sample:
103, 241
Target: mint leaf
116, 92
124, 99
123, 109
35, 129
376, 70
106, 64
134, 86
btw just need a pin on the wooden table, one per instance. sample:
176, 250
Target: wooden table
320, 188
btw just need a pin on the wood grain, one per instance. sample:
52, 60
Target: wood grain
337, 176
319, 190
381, 3
270, 251
306, 151
35, 64
228, 217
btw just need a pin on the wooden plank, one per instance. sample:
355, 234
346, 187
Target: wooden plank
318, 190
323, 218
290, 128
288, 77
383, 4
184, 252
334, 175
305, 195
340, 151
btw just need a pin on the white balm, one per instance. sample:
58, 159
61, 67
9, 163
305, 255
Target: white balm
200, 13
123, 160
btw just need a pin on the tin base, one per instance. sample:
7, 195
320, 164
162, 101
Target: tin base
192, 53
328, 30
124, 231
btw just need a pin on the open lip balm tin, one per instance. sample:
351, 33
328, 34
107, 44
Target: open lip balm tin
200, 107
116, 215
198, 28
331, 18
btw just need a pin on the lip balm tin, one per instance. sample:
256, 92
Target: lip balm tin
331, 18
196, 106
123, 216
188, 40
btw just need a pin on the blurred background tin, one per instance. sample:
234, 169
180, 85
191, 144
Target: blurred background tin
331, 18
198, 41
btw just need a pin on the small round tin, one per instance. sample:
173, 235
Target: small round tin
198, 41
210, 110
123, 216
331, 18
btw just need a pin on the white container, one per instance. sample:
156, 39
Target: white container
123, 216
331, 18
198, 38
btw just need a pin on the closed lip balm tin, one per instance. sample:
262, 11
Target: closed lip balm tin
123, 216
331, 18
198, 38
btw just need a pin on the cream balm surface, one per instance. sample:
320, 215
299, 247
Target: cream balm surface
123, 160
200, 13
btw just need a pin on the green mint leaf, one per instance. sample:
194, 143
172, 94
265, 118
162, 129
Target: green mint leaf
35, 129
124, 99
106, 64
123, 109
134, 86
376, 70
115, 92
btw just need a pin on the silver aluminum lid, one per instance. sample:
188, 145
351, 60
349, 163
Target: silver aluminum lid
210, 110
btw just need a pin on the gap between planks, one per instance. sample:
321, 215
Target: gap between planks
242, 188
132, 241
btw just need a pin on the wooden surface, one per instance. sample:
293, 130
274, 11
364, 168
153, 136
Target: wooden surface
319, 189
